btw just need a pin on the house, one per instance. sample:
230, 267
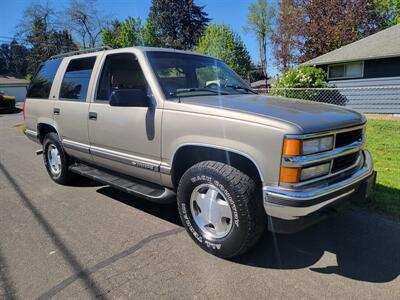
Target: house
260, 84
373, 61
14, 87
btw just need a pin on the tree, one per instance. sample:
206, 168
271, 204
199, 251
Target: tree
18, 62
324, 26
220, 41
123, 34
46, 43
129, 33
310, 28
389, 10
259, 22
286, 37
256, 73
4, 58
178, 24
34, 12
39, 31
85, 21
38, 40
150, 35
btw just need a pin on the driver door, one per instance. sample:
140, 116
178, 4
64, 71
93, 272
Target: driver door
125, 138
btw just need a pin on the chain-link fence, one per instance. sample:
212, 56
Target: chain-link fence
376, 99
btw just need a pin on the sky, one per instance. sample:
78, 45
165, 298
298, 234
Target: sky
231, 12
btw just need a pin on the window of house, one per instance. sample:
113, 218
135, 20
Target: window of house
76, 79
348, 70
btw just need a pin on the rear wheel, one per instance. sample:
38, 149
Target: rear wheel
220, 208
56, 160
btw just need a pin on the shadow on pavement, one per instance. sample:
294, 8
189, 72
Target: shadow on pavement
6, 111
367, 247
167, 212
67, 254
6, 283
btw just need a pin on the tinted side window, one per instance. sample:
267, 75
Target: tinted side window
76, 79
120, 71
41, 83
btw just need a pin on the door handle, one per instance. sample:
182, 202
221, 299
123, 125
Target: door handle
92, 115
56, 111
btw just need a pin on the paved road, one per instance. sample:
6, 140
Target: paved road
92, 241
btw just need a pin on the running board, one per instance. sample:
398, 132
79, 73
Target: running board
138, 188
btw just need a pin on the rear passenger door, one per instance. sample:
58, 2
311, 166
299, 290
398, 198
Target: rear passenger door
125, 138
72, 105
40, 96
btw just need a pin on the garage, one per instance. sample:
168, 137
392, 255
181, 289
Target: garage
13, 86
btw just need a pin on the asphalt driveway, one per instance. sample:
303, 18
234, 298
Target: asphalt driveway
90, 241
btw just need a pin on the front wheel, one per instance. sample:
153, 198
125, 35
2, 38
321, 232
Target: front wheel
56, 160
220, 208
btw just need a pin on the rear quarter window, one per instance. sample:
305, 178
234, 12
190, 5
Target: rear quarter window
76, 79
41, 83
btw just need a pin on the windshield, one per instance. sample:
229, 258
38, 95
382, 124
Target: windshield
188, 75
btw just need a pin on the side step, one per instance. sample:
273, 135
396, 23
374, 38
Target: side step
138, 188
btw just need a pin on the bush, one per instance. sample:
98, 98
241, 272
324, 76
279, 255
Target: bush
302, 77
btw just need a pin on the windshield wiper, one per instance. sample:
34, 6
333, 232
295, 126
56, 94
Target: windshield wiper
188, 90
239, 87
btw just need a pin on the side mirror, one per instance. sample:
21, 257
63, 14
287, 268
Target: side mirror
129, 98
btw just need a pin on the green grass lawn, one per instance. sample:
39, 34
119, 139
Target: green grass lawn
383, 141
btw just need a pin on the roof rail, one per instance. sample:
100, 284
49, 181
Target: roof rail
88, 50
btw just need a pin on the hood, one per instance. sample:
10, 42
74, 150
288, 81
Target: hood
309, 116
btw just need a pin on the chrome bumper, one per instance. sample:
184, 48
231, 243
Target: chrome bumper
287, 204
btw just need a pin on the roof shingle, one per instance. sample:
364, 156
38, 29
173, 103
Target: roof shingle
11, 80
383, 44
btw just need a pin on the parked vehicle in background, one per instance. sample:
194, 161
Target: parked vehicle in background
148, 121
6, 101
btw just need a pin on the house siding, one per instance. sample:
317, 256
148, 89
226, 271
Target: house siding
384, 72
384, 99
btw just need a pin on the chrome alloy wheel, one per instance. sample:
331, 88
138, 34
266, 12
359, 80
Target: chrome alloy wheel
211, 211
54, 160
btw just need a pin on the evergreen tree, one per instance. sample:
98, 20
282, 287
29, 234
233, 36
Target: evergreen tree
178, 23
18, 62
46, 43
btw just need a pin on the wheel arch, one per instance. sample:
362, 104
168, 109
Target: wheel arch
188, 155
45, 128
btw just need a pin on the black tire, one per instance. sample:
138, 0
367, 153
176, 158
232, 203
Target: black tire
249, 218
64, 177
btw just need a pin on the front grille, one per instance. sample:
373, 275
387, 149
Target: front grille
344, 162
348, 137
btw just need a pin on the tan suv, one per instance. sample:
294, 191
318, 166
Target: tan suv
169, 125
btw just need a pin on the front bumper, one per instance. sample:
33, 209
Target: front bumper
308, 205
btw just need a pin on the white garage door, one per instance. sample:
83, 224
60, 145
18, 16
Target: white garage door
18, 91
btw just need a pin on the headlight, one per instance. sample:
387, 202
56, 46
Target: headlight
295, 147
317, 145
315, 171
